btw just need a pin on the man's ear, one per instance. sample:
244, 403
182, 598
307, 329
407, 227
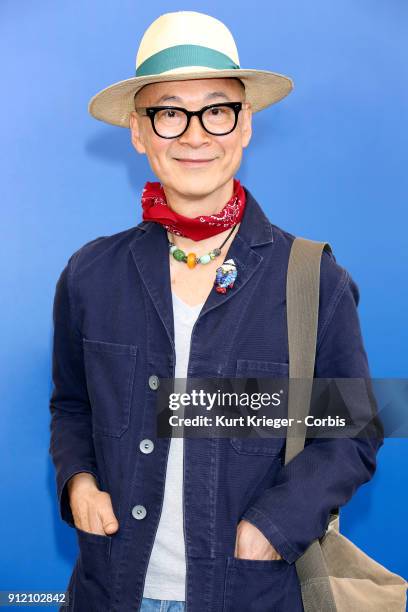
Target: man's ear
136, 132
246, 125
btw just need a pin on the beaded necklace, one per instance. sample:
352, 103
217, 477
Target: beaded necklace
191, 259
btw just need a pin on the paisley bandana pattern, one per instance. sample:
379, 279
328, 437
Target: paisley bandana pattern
155, 208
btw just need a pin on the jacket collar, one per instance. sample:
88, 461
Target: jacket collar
150, 252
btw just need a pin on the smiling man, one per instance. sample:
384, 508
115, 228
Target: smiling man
197, 168
213, 159
197, 289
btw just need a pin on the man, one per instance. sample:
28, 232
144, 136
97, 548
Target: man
203, 525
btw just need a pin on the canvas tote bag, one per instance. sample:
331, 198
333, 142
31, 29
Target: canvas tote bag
334, 574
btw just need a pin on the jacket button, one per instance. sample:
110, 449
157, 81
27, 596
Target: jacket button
153, 382
146, 446
139, 512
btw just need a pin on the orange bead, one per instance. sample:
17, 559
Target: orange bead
191, 260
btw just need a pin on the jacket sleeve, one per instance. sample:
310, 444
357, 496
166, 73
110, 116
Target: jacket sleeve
71, 443
325, 475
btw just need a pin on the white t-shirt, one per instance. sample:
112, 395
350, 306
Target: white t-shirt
166, 571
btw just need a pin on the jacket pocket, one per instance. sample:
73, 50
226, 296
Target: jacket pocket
110, 371
257, 368
254, 370
94, 571
261, 586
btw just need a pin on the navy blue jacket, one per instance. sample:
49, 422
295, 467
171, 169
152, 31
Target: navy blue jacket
113, 331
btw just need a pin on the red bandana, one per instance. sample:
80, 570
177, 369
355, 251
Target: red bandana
155, 208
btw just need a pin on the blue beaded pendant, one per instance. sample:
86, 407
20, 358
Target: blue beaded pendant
225, 277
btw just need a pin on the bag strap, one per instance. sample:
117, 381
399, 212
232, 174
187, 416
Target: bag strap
302, 309
302, 303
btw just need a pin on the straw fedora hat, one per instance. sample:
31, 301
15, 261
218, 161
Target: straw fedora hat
186, 45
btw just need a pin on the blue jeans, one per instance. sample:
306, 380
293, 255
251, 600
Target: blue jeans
161, 605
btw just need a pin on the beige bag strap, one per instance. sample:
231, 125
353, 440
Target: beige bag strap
302, 310
302, 303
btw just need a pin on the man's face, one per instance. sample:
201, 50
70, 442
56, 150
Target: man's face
225, 152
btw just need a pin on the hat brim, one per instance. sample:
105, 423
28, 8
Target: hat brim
114, 103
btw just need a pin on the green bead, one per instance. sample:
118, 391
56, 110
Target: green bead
204, 259
179, 255
212, 255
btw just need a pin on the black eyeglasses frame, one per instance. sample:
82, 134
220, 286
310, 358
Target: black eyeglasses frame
150, 111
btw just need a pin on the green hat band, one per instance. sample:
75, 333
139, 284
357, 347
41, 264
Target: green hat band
185, 55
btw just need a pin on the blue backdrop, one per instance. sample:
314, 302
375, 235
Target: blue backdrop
326, 163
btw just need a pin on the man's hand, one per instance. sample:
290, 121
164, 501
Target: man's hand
91, 508
251, 543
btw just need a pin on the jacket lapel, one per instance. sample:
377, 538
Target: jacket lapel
151, 254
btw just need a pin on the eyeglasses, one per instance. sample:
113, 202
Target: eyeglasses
172, 121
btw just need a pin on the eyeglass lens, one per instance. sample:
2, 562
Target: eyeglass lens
171, 122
